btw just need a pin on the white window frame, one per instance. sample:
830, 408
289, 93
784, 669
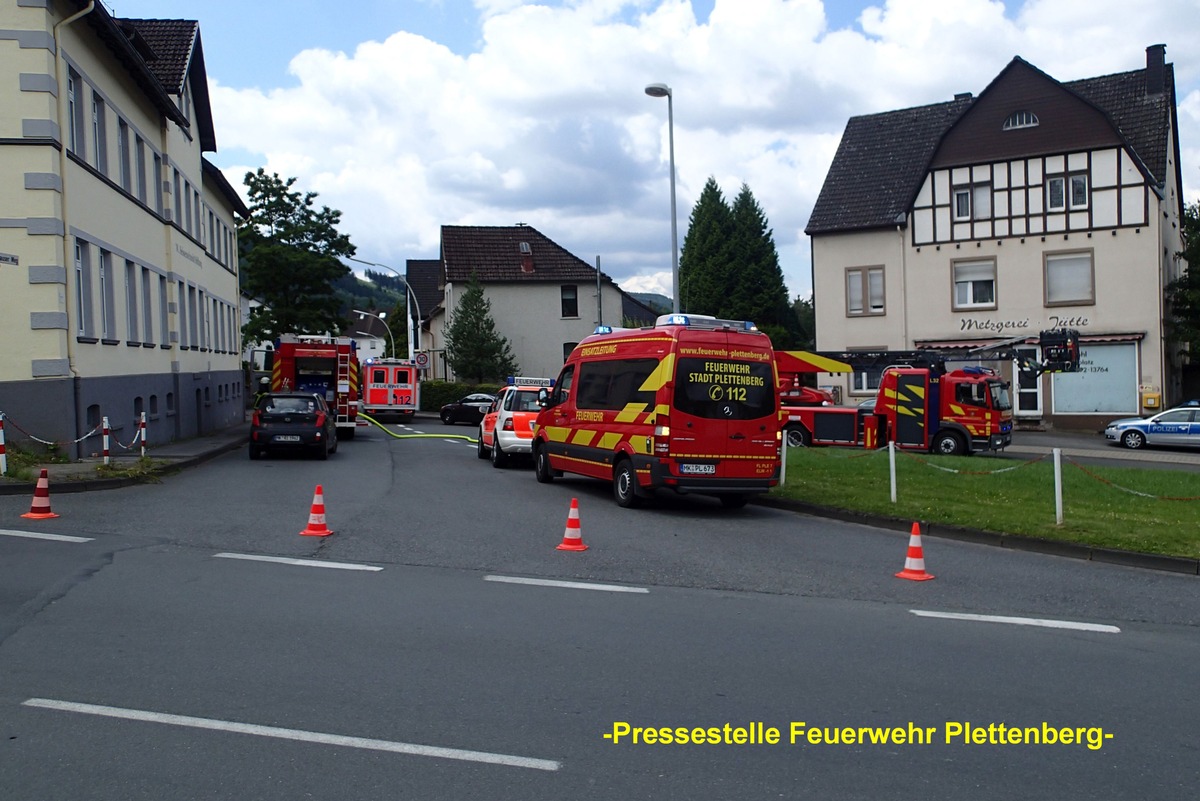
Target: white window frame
81, 298
961, 208
1078, 200
1056, 287
100, 133
968, 279
1059, 181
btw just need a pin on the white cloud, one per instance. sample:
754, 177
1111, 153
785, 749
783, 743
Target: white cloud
547, 122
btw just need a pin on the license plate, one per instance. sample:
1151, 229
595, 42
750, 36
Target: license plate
287, 438
698, 469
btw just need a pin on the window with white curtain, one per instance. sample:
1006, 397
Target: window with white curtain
1069, 279
974, 284
864, 291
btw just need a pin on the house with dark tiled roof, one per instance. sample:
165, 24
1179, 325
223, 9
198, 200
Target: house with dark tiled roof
543, 298
1038, 204
117, 235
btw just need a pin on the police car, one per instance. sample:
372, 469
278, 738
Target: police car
507, 428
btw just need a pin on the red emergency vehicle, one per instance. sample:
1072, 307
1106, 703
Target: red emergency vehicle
507, 428
322, 365
391, 389
688, 404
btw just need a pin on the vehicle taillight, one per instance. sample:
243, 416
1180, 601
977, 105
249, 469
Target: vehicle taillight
320, 419
662, 436
508, 424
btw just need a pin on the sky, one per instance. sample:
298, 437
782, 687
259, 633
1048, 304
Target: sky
407, 115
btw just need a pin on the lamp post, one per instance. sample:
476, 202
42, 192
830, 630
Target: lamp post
409, 294
361, 314
662, 90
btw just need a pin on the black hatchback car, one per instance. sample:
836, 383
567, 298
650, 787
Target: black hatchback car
470, 409
294, 421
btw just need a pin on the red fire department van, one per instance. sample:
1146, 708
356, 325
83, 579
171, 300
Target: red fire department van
391, 389
689, 404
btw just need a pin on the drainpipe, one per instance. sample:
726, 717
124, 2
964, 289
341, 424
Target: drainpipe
68, 261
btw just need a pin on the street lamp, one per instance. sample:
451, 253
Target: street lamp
662, 90
361, 314
409, 293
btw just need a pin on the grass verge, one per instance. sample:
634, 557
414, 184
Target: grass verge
1150, 511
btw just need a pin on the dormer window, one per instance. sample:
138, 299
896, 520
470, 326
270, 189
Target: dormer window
525, 249
1021, 119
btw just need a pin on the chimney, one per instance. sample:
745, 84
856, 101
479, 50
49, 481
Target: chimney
526, 258
1156, 56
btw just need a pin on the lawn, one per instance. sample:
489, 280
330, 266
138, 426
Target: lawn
1151, 511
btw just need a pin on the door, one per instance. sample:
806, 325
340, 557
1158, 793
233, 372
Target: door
1029, 386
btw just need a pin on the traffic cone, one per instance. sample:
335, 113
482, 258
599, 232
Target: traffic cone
914, 564
40, 508
573, 536
316, 518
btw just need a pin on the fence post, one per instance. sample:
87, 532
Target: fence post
892, 465
1058, 501
104, 423
142, 433
3, 452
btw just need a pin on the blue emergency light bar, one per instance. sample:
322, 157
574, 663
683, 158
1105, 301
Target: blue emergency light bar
703, 321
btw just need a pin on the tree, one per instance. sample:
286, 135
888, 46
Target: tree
474, 349
806, 319
1183, 322
290, 260
705, 257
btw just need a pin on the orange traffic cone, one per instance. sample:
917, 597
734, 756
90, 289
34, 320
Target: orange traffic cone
316, 518
573, 536
40, 508
914, 564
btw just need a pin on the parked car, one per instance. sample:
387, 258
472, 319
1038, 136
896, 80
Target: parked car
470, 409
292, 421
1178, 426
507, 428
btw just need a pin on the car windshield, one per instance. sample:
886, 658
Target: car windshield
1001, 400
291, 405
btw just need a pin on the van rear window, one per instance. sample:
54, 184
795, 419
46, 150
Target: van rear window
719, 389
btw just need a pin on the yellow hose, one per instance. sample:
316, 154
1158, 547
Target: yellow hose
394, 435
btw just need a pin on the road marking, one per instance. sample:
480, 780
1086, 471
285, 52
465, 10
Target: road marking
572, 585
283, 560
1021, 621
33, 535
298, 735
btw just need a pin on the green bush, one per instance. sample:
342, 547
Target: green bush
436, 394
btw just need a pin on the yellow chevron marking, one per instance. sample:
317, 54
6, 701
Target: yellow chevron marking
608, 441
630, 413
583, 436
660, 375
957, 409
907, 411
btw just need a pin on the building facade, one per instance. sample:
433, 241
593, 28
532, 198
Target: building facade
543, 299
1036, 205
118, 248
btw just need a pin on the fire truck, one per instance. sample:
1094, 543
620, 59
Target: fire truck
323, 365
921, 404
391, 389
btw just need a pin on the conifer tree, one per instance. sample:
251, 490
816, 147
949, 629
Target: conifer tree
475, 350
756, 291
704, 258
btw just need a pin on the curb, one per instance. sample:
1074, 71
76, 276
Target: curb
1015, 542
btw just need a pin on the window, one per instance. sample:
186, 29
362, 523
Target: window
131, 301
567, 348
974, 284
140, 167
864, 291
81, 295
181, 315
973, 202
1021, 119
163, 320
123, 155
148, 321
106, 295
615, 384
99, 133
1069, 279
158, 189
178, 199
1058, 187
570, 300
74, 121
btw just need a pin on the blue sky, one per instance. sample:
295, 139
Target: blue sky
407, 115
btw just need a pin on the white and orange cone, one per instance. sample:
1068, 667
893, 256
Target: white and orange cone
40, 508
914, 563
316, 518
573, 536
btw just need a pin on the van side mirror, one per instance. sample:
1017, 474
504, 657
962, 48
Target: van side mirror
543, 397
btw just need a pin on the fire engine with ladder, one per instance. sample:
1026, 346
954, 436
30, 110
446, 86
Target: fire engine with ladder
921, 404
323, 365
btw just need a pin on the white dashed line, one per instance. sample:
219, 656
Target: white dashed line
321, 738
1021, 621
283, 560
34, 535
571, 585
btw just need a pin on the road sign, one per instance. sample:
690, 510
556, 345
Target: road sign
422, 359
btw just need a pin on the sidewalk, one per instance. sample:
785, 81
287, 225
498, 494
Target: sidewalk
82, 475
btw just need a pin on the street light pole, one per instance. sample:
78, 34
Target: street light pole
662, 90
410, 296
361, 314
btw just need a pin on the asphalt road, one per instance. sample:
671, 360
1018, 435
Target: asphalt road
143, 663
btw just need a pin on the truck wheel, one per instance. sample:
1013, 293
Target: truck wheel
541, 465
480, 451
499, 458
625, 485
947, 443
797, 437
